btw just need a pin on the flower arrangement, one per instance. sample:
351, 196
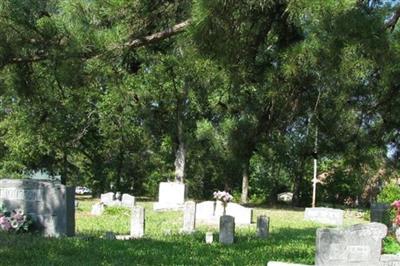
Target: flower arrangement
224, 197
14, 221
396, 205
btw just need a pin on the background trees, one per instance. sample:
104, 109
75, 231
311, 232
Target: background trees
219, 94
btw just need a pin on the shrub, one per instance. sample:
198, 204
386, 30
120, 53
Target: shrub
389, 193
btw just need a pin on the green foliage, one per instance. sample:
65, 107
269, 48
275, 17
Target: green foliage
291, 240
391, 245
389, 193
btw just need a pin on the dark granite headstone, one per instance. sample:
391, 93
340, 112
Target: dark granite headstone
50, 204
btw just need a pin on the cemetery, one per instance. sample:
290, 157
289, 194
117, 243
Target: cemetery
200, 132
275, 237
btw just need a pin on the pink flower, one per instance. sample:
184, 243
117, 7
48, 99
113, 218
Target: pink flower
396, 204
5, 223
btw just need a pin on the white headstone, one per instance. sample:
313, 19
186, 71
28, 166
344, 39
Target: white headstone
324, 215
209, 212
189, 217
97, 209
137, 222
171, 196
107, 198
286, 197
128, 200
209, 237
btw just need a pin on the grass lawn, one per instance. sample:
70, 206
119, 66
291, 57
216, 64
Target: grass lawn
291, 240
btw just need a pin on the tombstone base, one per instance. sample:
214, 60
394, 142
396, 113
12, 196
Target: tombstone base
276, 263
124, 237
159, 206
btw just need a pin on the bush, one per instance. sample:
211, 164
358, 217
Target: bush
389, 193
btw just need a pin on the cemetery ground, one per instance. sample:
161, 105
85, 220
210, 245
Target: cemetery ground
291, 239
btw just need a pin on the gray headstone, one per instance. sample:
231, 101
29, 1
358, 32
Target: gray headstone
137, 222
226, 229
262, 226
324, 215
110, 236
380, 213
107, 198
209, 237
358, 245
50, 204
128, 201
189, 217
97, 209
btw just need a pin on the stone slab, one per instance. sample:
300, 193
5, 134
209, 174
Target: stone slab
189, 217
171, 196
128, 201
358, 245
209, 212
50, 204
324, 215
276, 263
107, 198
226, 230
390, 260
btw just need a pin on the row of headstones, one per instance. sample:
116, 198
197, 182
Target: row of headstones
226, 226
113, 199
358, 245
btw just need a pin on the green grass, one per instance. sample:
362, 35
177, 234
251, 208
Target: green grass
291, 240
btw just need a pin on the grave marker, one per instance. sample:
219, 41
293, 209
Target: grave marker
50, 204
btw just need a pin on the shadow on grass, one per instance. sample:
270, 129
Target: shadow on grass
287, 244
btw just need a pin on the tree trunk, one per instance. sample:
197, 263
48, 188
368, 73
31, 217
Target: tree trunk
180, 153
180, 160
245, 183
65, 169
297, 186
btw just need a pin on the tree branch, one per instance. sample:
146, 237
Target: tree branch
136, 43
391, 23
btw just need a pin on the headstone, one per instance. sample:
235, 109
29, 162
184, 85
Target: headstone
380, 213
107, 198
118, 196
286, 197
390, 260
137, 222
171, 196
275, 263
262, 226
109, 236
209, 237
128, 201
209, 212
226, 229
189, 217
324, 215
358, 245
50, 204
97, 209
